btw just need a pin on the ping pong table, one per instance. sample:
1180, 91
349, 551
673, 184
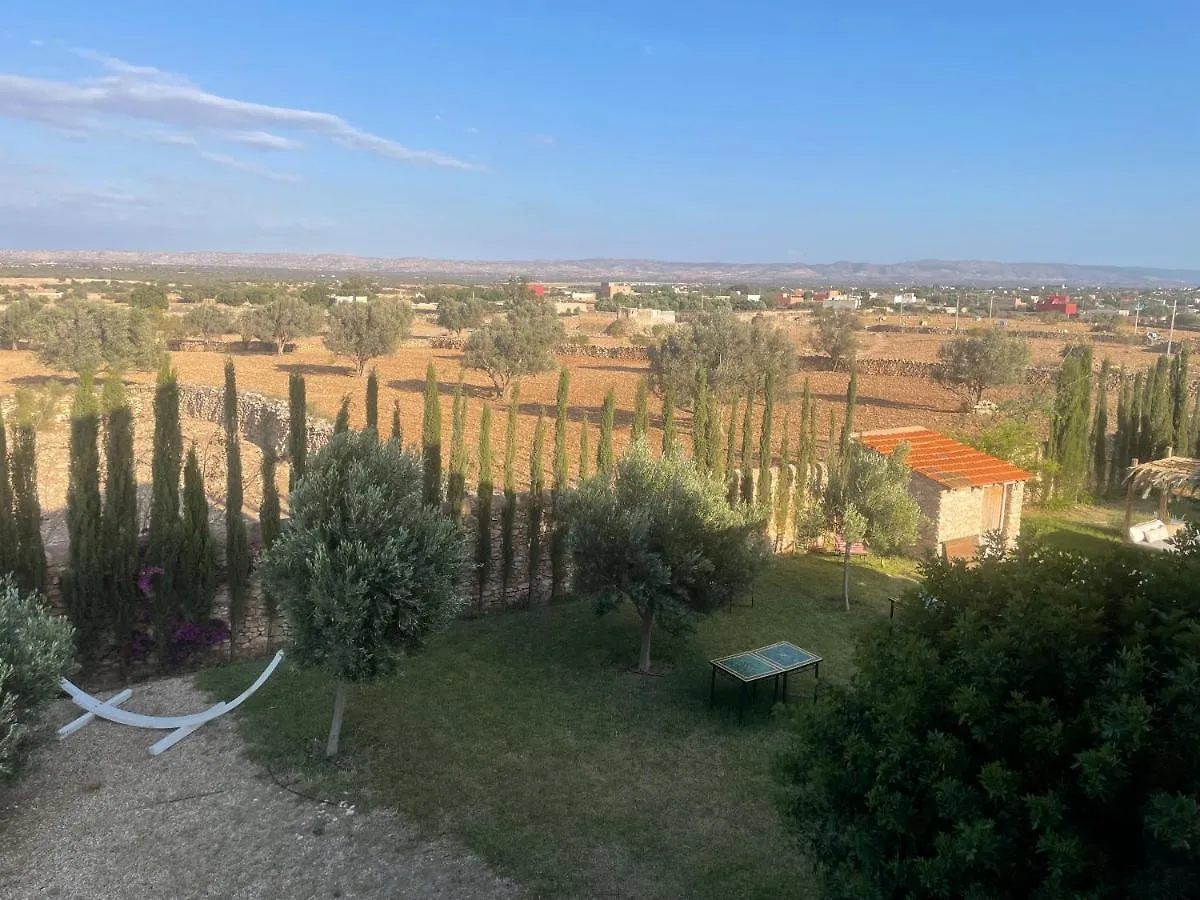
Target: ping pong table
775, 661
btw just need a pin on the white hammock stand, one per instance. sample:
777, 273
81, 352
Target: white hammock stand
179, 726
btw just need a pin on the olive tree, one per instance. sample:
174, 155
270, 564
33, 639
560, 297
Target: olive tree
1026, 727
365, 569
208, 320
723, 353
81, 336
522, 343
281, 321
974, 363
660, 535
865, 499
835, 333
364, 331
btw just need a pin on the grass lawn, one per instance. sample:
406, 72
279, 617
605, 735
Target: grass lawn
524, 736
1087, 528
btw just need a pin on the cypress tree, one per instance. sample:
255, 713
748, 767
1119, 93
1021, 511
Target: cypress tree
641, 410
783, 493
30, 570
297, 429
1120, 454
731, 438
397, 428
120, 522
268, 525
1194, 429
83, 600
537, 500
8, 527
456, 482
747, 472
372, 402
714, 442
237, 545
342, 421
1136, 433
1100, 432
431, 438
833, 448
670, 441
268, 511
1162, 429
1071, 424
558, 533
508, 516
1180, 427
163, 544
851, 403
700, 454
805, 454
197, 554
604, 450
483, 528
765, 441
585, 454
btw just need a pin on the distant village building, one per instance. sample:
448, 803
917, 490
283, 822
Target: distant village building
843, 302
583, 296
963, 493
610, 289
337, 300
1058, 303
537, 290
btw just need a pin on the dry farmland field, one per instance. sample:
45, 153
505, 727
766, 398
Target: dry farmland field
882, 401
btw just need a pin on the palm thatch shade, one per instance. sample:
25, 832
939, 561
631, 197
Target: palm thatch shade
1172, 475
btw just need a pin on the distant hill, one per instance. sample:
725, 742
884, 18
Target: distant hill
924, 271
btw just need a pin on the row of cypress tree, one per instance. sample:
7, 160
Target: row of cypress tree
1154, 416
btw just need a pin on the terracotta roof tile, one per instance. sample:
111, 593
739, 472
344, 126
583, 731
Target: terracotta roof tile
948, 462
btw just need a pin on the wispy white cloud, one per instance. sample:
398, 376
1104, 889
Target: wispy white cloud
147, 94
173, 140
544, 139
263, 140
241, 165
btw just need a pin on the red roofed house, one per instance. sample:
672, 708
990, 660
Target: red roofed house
537, 290
1058, 303
963, 493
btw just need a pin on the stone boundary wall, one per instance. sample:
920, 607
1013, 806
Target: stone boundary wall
186, 344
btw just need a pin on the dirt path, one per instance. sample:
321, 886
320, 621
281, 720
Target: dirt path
99, 818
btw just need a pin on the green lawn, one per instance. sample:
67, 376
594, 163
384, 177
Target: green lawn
1090, 528
524, 736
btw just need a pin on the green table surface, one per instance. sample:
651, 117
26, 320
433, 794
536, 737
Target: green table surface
747, 666
787, 655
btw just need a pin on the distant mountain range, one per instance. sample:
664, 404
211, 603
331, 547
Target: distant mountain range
918, 272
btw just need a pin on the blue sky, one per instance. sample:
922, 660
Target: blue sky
756, 131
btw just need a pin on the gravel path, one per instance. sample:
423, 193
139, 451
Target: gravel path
98, 818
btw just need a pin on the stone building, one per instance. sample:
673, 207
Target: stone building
963, 493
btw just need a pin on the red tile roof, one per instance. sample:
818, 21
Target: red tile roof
944, 460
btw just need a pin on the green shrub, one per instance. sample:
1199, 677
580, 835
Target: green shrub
35, 651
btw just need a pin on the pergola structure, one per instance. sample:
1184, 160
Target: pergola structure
1170, 475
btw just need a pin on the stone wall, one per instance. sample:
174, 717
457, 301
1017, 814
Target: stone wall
261, 420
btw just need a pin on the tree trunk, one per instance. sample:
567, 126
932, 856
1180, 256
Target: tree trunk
846, 575
335, 727
647, 629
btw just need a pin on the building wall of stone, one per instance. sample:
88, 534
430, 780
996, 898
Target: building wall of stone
1014, 502
961, 514
928, 494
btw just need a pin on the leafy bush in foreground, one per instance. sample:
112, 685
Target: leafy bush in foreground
35, 651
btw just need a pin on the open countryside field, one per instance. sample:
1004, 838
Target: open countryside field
883, 402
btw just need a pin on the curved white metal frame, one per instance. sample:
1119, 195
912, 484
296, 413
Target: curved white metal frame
179, 726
